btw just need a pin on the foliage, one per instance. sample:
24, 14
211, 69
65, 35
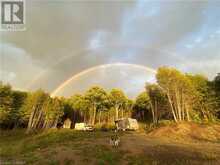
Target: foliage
118, 100
10, 104
176, 95
216, 88
6, 102
41, 111
204, 101
158, 101
98, 99
53, 110
142, 107
179, 91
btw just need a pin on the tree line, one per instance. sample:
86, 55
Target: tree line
175, 96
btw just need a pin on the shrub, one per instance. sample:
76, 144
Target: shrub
165, 122
105, 127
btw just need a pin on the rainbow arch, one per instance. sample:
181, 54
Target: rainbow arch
76, 76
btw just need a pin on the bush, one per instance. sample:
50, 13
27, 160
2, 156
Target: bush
105, 127
151, 126
165, 122
143, 126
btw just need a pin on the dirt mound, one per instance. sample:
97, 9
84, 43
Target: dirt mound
189, 131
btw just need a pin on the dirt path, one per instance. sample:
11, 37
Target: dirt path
163, 150
144, 149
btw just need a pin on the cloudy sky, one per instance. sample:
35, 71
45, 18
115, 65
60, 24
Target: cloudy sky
67, 38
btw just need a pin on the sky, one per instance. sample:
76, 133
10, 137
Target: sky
67, 38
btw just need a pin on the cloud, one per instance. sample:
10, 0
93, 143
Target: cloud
65, 37
17, 68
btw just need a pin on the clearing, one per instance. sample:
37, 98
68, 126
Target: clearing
174, 144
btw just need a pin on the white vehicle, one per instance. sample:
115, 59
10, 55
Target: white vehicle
127, 124
83, 127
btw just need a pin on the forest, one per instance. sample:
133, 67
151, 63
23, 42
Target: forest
175, 96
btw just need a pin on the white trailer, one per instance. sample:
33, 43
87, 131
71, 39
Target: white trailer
83, 127
127, 124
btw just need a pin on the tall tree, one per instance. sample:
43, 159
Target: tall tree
128, 107
142, 106
97, 97
53, 110
216, 87
6, 104
158, 101
33, 110
179, 91
19, 98
80, 104
204, 102
118, 100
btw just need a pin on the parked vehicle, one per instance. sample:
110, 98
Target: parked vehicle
127, 124
83, 127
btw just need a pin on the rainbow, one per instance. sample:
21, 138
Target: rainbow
76, 76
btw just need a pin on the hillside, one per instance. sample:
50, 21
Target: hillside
191, 132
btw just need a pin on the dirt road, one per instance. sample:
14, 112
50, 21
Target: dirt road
165, 151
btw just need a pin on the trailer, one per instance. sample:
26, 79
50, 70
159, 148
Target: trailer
83, 127
126, 124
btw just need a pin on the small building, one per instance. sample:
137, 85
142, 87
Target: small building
127, 124
67, 123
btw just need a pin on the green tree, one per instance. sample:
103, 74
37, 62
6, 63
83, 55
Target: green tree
158, 101
32, 110
142, 106
179, 91
80, 104
118, 101
6, 104
216, 88
204, 102
53, 110
19, 98
97, 98
128, 107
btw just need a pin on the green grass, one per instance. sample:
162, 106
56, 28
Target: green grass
54, 147
29, 148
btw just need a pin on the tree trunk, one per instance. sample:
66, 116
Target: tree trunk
156, 112
38, 119
152, 111
94, 115
84, 118
55, 123
116, 112
178, 104
181, 105
31, 119
187, 113
100, 116
172, 109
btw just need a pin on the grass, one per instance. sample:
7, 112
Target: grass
29, 148
69, 147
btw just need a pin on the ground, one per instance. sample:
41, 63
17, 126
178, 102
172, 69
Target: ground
66, 147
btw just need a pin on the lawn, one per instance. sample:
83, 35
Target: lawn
66, 147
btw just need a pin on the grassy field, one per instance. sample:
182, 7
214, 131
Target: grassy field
66, 147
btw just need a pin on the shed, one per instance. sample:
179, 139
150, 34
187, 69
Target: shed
127, 124
67, 123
